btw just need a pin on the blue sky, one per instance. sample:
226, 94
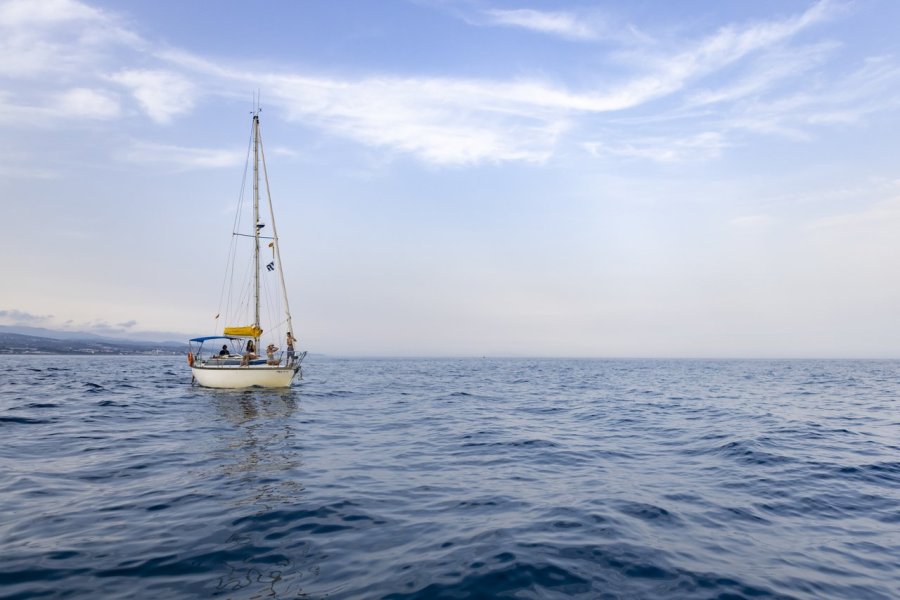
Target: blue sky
464, 178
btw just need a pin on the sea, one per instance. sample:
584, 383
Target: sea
472, 478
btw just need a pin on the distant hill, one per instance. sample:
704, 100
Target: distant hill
147, 337
17, 343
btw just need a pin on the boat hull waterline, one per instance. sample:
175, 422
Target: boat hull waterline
244, 377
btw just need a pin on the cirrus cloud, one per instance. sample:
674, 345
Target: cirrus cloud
559, 23
446, 120
161, 93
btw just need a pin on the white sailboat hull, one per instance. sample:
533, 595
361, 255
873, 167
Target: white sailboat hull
244, 377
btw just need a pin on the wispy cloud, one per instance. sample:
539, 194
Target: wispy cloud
771, 69
699, 147
21, 317
871, 88
446, 120
580, 25
162, 94
456, 121
181, 158
102, 327
672, 71
86, 103
559, 23
80, 49
57, 36
15, 317
440, 120
70, 104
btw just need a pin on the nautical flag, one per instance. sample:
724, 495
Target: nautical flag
271, 266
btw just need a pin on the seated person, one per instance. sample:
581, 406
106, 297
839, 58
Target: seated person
224, 350
249, 353
271, 349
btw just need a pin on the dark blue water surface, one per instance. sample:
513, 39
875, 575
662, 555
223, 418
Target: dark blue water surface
408, 479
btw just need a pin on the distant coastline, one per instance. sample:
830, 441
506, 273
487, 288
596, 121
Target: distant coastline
19, 344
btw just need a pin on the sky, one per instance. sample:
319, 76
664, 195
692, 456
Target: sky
464, 178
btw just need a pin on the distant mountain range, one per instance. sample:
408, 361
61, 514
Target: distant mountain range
36, 340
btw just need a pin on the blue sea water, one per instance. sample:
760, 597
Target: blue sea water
414, 479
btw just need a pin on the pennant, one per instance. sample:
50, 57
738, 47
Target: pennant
271, 266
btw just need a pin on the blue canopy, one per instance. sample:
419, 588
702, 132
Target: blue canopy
214, 337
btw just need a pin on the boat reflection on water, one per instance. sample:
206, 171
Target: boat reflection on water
260, 455
260, 462
239, 406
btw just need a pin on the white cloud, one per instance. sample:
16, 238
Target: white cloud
63, 37
27, 13
283, 151
440, 120
87, 103
869, 89
452, 121
181, 158
702, 146
773, 68
77, 103
459, 121
21, 317
162, 94
558, 23
671, 72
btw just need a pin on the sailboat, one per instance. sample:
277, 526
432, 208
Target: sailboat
240, 362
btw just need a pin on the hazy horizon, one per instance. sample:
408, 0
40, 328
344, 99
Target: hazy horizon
483, 178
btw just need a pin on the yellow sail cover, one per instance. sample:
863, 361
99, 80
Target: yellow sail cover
248, 331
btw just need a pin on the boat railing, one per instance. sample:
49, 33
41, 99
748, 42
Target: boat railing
279, 358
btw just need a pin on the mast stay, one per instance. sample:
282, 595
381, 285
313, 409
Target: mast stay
277, 246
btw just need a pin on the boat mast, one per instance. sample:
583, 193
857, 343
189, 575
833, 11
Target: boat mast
256, 213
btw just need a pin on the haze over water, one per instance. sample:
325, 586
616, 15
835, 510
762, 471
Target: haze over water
452, 479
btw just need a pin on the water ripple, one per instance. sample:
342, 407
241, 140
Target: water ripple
461, 478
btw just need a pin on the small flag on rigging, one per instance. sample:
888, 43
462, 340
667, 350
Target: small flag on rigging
271, 266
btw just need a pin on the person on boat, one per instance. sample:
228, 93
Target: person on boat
271, 349
224, 351
290, 347
249, 353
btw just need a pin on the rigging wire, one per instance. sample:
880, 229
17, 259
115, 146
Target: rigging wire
239, 299
277, 246
228, 279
